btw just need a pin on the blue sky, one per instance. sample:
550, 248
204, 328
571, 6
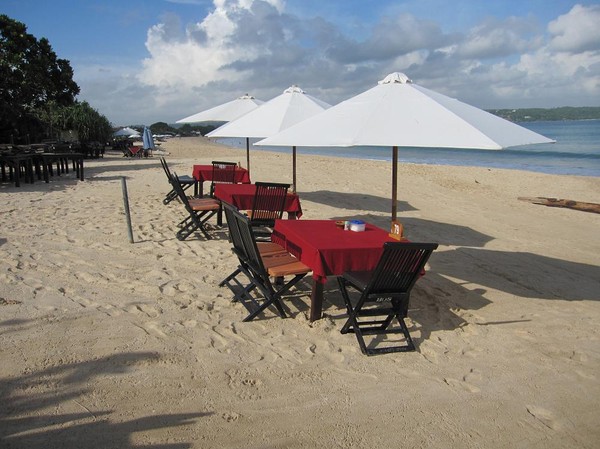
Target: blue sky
139, 62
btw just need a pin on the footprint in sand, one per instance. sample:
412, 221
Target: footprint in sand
189, 323
461, 384
584, 375
230, 416
35, 284
326, 350
152, 328
87, 277
170, 288
84, 302
546, 417
110, 310
151, 311
228, 332
433, 349
473, 376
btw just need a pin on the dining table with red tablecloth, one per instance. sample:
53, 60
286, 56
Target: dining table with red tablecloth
329, 250
203, 173
242, 196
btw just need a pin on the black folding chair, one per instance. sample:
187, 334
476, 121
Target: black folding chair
200, 211
185, 181
266, 249
222, 173
259, 269
267, 207
384, 294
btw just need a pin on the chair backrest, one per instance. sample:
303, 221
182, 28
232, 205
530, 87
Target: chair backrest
222, 173
234, 230
248, 243
268, 203
398, 269
180, 193
165, 167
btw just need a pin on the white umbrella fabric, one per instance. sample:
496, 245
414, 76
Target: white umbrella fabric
226, 111
126, 132
291, 107
396, 113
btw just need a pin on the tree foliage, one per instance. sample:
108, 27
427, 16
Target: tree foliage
37, 90
562, 113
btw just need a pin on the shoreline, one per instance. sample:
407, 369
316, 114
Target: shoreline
111, 344
525, 159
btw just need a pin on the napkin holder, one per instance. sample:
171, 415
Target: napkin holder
397, 230
357, 225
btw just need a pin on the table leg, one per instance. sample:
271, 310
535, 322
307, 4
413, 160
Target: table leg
220, 216
80, 166
46, 169
18, 174
316, 301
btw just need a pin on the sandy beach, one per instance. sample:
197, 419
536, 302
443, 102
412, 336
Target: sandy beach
108, 344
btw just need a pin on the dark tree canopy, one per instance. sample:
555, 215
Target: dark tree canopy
33, 78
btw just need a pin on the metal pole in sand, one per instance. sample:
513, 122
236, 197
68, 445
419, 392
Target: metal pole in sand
126, 204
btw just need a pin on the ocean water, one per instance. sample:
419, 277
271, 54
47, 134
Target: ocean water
576, 151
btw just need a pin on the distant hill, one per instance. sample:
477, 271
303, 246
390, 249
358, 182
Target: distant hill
537, 114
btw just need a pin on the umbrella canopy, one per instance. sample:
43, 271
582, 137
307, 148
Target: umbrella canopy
291, 107
226, 111
396, 113
126, 132
147, 139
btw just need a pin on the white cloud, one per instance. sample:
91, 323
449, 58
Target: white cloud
254, 46
495, 38
576, 31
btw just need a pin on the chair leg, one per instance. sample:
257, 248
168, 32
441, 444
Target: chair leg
375, 326
230, 277
170, 197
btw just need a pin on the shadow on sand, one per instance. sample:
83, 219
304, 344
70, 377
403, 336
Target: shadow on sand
354, 201
459, 278
30, 421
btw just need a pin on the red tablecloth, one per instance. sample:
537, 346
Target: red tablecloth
328, 249
204, 173
242, 196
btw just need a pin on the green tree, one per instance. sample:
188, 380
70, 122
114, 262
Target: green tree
89, 123
32, 77
162, 128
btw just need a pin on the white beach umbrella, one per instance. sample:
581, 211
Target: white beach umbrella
396, 113
226, 111
126, 132
277, 114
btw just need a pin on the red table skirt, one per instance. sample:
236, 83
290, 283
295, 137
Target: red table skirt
242, 196
204, 173
328, 249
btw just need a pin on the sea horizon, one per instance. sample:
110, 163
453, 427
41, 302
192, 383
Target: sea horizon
576, 151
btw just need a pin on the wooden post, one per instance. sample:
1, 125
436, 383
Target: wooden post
126, 204
248, 155
394, 182
294, 169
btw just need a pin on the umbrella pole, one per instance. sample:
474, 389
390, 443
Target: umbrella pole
248, 154
394, 182
294, 169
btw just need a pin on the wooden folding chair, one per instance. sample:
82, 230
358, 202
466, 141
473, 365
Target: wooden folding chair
384, 294
199, 212
185, 181
265, 249
222, 172
259, 268
267, 206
